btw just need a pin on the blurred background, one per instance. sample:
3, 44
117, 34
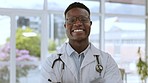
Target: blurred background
32, 29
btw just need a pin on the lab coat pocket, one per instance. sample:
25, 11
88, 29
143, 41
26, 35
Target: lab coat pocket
98, 80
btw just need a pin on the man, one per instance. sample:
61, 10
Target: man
78, 61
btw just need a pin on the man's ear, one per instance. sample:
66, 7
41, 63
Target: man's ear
65, 25
90, 22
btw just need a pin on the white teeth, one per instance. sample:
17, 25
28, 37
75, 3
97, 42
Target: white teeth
78, 30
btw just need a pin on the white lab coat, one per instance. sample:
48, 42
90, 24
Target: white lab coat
88, 73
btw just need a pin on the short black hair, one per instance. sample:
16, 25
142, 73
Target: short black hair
76, 5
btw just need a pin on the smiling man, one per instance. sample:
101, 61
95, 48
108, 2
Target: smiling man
79, 61
78, 27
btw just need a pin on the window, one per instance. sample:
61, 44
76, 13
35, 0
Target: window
124, 34
22, 4
28, 48
4, 48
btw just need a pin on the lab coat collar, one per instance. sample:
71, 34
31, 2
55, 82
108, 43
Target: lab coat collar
70, 50
89, 58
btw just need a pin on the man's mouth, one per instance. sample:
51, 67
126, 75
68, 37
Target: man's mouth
78, 30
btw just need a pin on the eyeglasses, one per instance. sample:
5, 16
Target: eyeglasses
73, 20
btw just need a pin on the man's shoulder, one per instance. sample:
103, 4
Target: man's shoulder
98, 51
52, 55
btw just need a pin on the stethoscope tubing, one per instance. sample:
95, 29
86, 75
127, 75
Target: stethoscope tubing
58, 59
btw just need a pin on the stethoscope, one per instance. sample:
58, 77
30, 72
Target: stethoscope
98, 67
58, 59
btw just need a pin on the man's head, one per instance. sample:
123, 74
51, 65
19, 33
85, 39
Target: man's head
77, 5
77, 22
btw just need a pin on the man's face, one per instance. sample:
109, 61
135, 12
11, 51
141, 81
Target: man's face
77, 24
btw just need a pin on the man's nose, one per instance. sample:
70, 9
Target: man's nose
78, 21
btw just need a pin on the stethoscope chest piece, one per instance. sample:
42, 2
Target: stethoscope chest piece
99, 68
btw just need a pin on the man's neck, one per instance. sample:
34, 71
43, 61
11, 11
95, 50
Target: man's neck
79, 46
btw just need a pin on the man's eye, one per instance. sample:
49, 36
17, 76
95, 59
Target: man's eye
71, 20
83, 19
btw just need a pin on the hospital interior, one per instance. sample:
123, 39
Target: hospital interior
30, 30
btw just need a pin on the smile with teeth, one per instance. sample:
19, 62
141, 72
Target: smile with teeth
77, 30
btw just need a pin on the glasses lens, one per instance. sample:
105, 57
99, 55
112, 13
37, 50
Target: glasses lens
83, 19
71, 20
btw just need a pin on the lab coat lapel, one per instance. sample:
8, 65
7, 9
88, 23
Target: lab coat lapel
89, 57
70, 64
68, 61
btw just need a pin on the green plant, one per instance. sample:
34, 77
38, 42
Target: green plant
27, 49
31, 43
52, 45
142, 67
21, 71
